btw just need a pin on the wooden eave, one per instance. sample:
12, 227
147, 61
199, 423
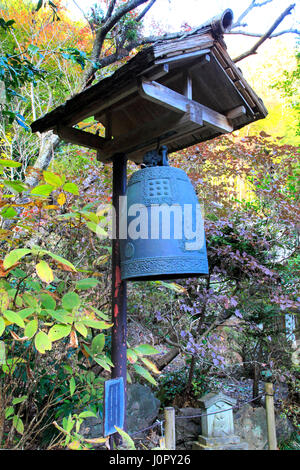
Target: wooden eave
176, 92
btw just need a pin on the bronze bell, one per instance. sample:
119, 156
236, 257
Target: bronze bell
164, 233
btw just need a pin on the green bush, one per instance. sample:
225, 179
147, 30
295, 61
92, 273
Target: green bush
173, 384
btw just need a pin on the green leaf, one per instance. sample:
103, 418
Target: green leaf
15, 186
4, 300
19, 400
44, 272
14, 256
71, 300
87, 283
151, 366
42, 190
60, 259
88, 414
131, 356
61, 315
97, 229
39, 5
144, 373
101, 314
42, 342
2, 353
72, 386
71, 188
52, 179
10, 163
103, 363
9, 411
47, 301
81, 328
34, 285
145, 350
58, 332
18, 424
30, 300
98, 343
2, 326
8, 213
25, 312
33, 49
14, 317
126, 438
100, 325
31, 328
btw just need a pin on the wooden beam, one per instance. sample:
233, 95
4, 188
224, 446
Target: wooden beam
174, 101
179, 58
236, 112
78, 137
108, 127
123, 99
155, 72
188, 86
147, 135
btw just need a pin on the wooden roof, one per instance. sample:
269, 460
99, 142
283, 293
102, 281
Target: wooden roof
177, 92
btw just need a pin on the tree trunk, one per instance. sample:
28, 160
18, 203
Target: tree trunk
255, 385
49, 143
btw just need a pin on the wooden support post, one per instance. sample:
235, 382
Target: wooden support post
119, 300
271, 426
170, 437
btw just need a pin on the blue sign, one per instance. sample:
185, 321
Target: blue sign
114, 405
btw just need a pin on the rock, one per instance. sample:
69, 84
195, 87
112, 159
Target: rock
142, 407
250, 424
187, 430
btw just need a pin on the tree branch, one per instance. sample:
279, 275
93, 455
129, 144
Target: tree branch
101, 35
265, 36
110, 10
252, 5
145, 11
112, 21
259, 35
84, 15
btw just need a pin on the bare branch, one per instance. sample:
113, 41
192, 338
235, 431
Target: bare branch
267, 35
110, 10
145, 11
258, 35
252, 5
84, 15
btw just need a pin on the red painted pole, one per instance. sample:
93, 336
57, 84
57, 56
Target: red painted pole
119, 297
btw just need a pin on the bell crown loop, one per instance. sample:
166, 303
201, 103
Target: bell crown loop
158, 157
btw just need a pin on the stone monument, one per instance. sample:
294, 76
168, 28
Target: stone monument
217, 424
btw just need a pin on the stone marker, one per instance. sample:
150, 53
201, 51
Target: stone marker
217, 424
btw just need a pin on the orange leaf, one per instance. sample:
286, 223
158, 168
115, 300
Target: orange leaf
84, 351
73, 340
64, 267
3, 272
